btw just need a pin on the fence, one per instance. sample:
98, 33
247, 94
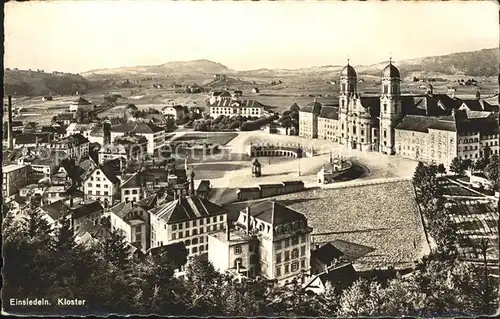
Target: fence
366, 182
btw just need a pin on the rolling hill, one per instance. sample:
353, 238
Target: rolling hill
35, 83
173, 67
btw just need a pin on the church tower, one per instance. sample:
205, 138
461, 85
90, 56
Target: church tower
348, 90
391, 111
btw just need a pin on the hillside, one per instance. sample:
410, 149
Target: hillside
35, 83
173, 67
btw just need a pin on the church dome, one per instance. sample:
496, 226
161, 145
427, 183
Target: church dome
348, 71
390, 71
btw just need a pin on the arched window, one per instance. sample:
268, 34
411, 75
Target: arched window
386, 89
237, 263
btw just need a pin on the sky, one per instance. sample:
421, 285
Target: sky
78, 36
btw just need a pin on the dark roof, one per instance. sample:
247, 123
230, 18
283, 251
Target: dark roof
487, 125
86, 208
133, 182
314, 107
424, 123
329, 113
244, 189
186, 208
270, 185
275, 213
204, 186
340, 277
31, 138
237, 103
479, 105
110, 169
82, 101
176, 252
348, 71
327, 253
56, 209
137, 127
371, 103
390, 71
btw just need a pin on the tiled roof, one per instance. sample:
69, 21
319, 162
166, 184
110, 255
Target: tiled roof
187, 208
478, 105
97, 130
204, 186
74, 140
293, 183
86, 208
176, 253
110, 170
133, 182
329, 113
137, 127
327, 253
424, 123
275, 213
55, 210
486, 126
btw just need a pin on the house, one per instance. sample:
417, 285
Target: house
255, 90
324, 257
14, 178
83, 129
175, 111
53, 213
33, 140
65, 118
276, 236
217, 96
103, 183
31, 189
17, 126
175, 253
155, 135
57, 131
81, 103
76, 146
46, 166
156, 119
237, 93
229, 107
47, 98
340, 278
187, 219
248, 193
55, 193
129, 147
133, 188
203, 189
90, 210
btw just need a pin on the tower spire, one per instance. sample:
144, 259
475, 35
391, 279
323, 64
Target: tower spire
390, 57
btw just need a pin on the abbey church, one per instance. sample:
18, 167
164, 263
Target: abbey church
429, 127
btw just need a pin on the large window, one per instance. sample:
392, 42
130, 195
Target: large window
278, 258
278, 271
287, 255
295, 266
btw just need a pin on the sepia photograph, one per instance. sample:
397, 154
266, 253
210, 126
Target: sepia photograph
231, 159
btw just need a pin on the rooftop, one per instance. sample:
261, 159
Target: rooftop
275, 213
11, 168
236, 236
188, 208
137, 127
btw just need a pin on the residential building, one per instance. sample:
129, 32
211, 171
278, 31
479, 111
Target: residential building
339, 278
308, 120
187, 219
75, 146
14, 178
231, 107
55, 193
81, 103
328, 123
155, 135
103, 184
283, 249
33, 140
88, 210
325, 257
128, 147
83, 129
176, 111
217, 96
53, 213
65, 118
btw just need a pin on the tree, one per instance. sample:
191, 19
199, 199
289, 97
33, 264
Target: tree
441, 169
115, 249
456, 166
491, 169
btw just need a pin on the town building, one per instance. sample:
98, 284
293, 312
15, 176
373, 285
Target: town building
87, 210
188, 219
155, 135
103, 184
54, 212
278, 237
232, 107
75, 146
217, 96
81, 103
14, 178
55, 193
175, 111
83, 129
427, 127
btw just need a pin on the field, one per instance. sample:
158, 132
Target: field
475, 220
375, 224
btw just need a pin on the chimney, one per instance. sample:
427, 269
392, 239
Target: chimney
248, 220
9, 132
191, 186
